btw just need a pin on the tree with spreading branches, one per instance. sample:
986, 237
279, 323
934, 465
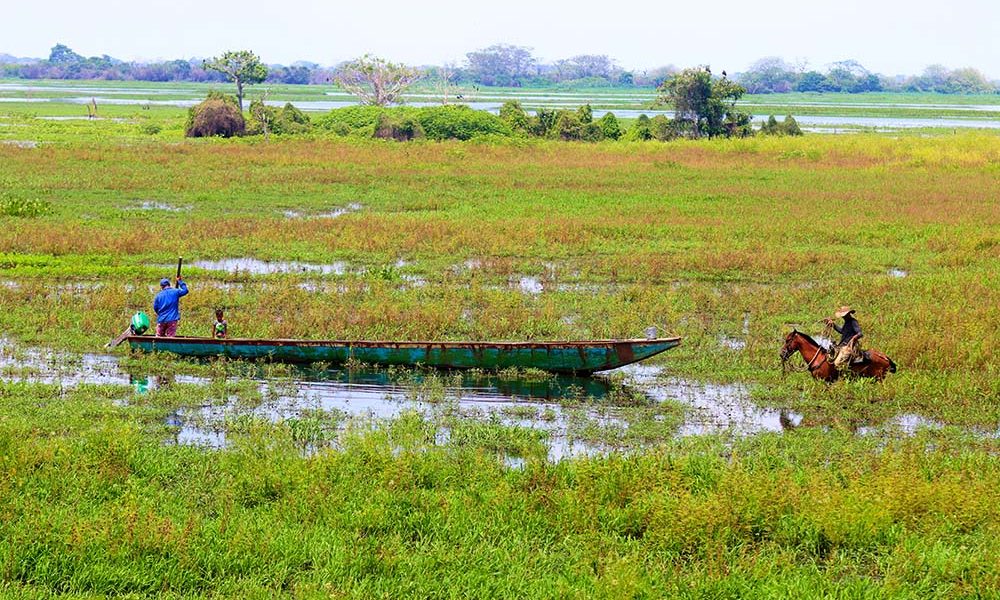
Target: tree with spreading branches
375, 81
242, 67
704, 105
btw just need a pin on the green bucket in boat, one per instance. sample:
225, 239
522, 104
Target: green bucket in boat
140, 323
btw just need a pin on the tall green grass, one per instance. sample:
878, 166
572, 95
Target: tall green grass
95, 504
715, 241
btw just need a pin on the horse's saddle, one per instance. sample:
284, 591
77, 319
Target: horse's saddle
858, 356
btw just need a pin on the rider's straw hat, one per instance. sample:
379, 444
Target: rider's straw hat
843, 311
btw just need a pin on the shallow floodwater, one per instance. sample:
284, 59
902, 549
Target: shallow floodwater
566, 409
491, 101
263, 267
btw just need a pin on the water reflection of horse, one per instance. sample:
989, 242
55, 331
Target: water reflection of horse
820, 365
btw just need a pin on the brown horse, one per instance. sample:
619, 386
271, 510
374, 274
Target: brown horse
820, 365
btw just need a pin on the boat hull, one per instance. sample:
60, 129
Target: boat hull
561, 357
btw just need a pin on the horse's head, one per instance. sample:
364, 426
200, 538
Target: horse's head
791, 345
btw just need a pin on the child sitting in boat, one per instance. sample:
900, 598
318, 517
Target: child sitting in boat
220, 328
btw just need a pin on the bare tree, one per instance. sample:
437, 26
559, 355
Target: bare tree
443, 81
262, 115
374, 80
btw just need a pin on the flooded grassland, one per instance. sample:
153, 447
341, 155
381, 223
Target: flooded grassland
707, 471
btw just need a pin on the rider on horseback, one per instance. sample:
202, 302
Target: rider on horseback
847, 349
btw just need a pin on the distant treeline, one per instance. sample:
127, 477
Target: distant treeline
64, 63
774, 75
515, 66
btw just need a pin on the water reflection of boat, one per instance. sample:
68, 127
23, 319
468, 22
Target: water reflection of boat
577, 357
308, 381
554, 387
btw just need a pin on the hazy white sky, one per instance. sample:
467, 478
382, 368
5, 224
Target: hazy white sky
887, 36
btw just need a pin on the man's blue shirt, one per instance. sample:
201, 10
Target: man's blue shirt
166, 303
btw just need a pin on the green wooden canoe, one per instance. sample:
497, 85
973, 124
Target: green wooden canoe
583, 357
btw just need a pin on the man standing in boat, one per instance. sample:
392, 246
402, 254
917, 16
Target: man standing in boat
167, 307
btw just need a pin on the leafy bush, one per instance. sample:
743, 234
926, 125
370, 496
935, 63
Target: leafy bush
642, 130
219, 114
543, 122
789, 127
664, 129
397, 126
459, 123
515, 117
610, 127
738, 124
567, 126
344, 121
286, 120
577, 125
293, 120
771, 126
404, 123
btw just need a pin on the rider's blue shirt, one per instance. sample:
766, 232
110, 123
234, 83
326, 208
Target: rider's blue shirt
850, 329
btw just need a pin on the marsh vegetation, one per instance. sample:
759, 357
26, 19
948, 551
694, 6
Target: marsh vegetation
862, 489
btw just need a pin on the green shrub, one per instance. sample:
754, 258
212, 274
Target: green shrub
459, 123
567, 126
515, 117
393, 125
544, 121
340, 128
772, 127
436, 122
642, 130
291, 120
259, 115
344, 121
592, 132
287, 120
610, 127
664, 129
791, 126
